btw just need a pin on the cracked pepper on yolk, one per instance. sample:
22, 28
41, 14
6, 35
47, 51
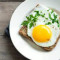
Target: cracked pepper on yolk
41, 33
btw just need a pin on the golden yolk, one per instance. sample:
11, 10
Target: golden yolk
41, 33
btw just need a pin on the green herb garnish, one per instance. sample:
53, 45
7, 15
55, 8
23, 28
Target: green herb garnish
55, 16
50, 16
53, 20
31, 19
49, 23
57, 21
37, 13
31, 24
58, 25
52, 11
43, 15
28, 18
25, 23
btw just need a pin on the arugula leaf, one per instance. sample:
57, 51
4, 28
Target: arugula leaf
25, 23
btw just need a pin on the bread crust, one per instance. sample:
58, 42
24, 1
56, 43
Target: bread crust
23, 32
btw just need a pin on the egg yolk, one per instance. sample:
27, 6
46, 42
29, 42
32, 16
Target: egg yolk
41, 33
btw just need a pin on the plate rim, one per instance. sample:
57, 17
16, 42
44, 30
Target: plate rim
10, 33
10, 30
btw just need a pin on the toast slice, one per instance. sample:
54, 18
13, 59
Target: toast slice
23, 32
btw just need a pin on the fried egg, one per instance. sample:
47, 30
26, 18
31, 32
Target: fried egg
42, 34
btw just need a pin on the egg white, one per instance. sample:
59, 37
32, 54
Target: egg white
40, 21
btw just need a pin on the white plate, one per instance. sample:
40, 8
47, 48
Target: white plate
24, 46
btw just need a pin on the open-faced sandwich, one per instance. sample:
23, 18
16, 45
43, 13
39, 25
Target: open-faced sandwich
42, 27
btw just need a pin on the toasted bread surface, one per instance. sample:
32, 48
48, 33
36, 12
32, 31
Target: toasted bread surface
23, 32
